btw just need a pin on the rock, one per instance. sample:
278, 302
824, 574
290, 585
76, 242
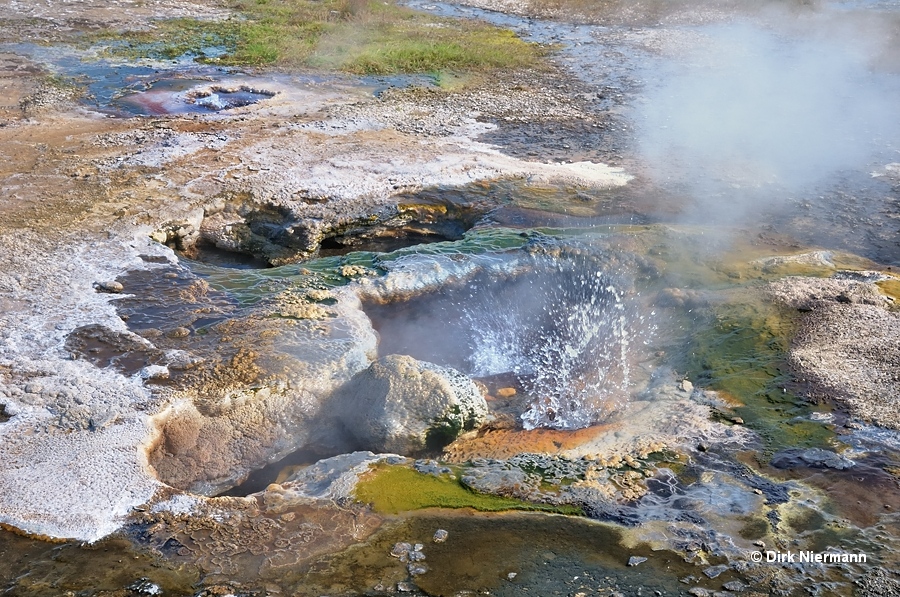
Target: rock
179, 332
678, 297
511, 576
401, 550
151, 372
867, 277
302, 311
417, 569
144, 586
635, 560
714, 571
110, 286
334, 479
354, 271
502, 480
403, 405
685, 386
699, 592
811, 458
159, 236
808, 294
319, 295
734, 586
406, 587
104, 347
812, 259
103, 420
431, 467
440, 536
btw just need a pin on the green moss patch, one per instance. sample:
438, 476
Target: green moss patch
741, 351
395, 489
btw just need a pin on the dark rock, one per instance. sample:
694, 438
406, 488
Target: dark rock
401, 550
810, 458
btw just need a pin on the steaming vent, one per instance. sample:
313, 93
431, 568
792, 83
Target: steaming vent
561, 330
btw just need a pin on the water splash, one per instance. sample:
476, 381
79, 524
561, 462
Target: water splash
551, 316
564, 334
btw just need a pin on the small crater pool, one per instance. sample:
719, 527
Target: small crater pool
181, 96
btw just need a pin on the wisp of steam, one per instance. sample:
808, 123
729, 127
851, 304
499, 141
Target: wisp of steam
752, 113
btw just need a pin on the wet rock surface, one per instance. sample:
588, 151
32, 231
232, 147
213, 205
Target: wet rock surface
404, 406
813, 457
104, 347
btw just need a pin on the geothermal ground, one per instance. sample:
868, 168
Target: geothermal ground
611, 313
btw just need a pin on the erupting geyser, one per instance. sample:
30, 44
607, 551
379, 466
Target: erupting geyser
559, 326
562, 333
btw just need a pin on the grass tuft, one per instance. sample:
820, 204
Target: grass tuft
357, 36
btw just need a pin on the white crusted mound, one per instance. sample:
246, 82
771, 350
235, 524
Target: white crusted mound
72, 466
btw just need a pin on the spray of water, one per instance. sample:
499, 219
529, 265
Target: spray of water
563, 333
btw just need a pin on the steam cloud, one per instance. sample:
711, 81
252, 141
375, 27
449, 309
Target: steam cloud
755, 112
